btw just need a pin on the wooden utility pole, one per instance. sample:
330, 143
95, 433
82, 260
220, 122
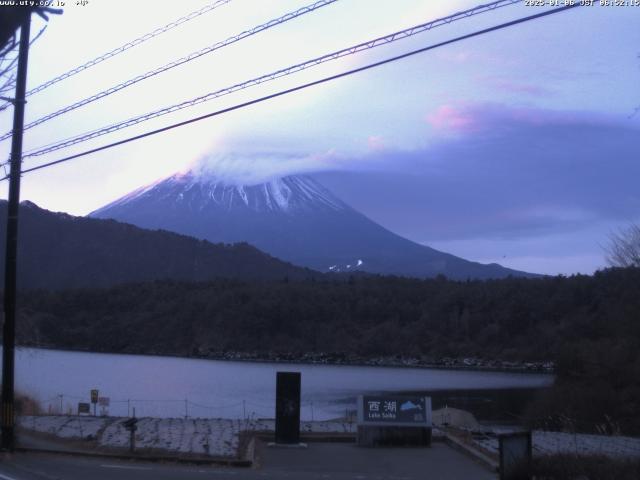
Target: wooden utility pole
9, 329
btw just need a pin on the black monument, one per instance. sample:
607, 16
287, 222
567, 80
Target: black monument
288, 407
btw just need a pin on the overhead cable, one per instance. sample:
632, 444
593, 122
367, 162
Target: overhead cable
393, 37
181, 61
122, 48
128, 45
304, 86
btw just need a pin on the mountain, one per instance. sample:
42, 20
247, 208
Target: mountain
293, 218
57, 250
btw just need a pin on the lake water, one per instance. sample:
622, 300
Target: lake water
171, 387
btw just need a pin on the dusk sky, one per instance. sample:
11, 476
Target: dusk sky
519, 147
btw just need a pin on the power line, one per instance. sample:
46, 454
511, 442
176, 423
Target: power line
271, 76
131, 44
122, 48
305, 86
181, 61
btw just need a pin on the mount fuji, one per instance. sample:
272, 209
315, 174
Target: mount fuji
293, 218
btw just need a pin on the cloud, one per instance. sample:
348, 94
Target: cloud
251, 167
451, 118
454, 56
488, 171
460, 56
564, 253
473, 119
252, 160
376, 143
505, 173
504, 85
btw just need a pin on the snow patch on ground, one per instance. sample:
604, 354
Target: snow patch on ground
547, 443
218, 437
65, 426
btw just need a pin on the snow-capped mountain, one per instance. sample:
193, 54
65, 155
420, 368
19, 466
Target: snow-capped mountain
293, 218
290, 195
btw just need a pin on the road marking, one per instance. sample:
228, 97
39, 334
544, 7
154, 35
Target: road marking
6, 477
126, 467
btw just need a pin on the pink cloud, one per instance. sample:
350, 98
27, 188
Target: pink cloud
489, 118
375, 143
452, 118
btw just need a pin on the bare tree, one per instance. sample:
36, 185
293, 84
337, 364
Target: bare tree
8, 63
624, 247
8, 60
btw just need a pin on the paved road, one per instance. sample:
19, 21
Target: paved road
349, 462
318, 462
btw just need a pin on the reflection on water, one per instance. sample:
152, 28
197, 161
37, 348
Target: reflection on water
171, 387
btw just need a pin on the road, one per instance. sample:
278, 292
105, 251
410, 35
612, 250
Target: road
318, 462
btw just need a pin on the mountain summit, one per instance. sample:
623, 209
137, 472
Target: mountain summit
191, 192
293, 218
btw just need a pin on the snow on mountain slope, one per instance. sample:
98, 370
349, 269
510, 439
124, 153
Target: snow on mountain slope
291, 194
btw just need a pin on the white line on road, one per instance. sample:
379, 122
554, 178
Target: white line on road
126, 467
6, 477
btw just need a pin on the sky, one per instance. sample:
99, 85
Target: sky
519, 147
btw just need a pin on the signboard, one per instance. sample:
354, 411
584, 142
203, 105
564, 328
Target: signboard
103, 401
94, 396
393, 410
84, 408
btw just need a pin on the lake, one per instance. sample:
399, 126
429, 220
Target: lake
175, 387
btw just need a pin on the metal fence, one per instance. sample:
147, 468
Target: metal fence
63, 404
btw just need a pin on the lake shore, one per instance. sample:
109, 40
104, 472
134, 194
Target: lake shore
168, 386
341, 359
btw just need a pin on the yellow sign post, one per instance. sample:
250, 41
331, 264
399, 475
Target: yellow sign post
94, 400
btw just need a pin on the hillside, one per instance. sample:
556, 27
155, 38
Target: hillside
57, 250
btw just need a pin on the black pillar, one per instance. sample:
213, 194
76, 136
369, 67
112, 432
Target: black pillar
288, 407
9, 327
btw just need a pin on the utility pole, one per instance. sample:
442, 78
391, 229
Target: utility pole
9, 328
